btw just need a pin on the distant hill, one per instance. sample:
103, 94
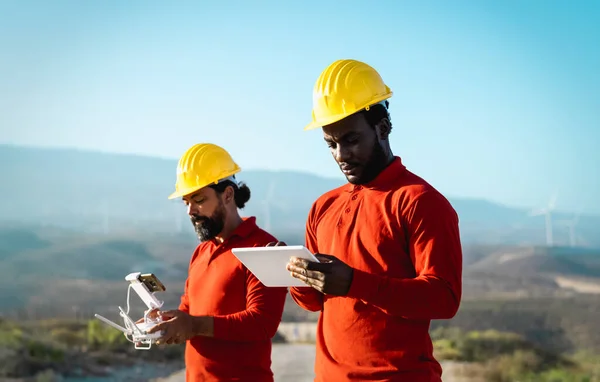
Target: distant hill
114, 193
528, 261
51, 271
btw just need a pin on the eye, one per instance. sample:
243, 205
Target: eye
352, 139
331, 145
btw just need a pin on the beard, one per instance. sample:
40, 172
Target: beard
208, 228
377, 161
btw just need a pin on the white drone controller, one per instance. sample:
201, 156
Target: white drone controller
145, 285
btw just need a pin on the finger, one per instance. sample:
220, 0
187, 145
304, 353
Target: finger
172, 338
164, 338
326, 258
169, 314
309, 265
271, 244
164, 326
167, 336
317, 284
281, 244
300, 277
299, 261
296, 269
309, 276
312, 274
311, 282
153, 313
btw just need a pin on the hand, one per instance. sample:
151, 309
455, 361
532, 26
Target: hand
276, 244
330, 275
177, 327
153, 314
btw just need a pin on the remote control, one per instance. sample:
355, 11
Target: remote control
145, 286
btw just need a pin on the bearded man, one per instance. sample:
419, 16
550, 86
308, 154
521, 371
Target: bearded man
227, 317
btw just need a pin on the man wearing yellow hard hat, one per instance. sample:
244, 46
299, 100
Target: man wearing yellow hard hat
226, 316
388, 243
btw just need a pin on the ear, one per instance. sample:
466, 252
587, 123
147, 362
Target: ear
228, 194
383, 129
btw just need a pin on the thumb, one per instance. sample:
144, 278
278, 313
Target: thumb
168, 314
325, 258
156, 328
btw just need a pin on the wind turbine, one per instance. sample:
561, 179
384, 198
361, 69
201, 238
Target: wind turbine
571, 226
266, 205
547, 212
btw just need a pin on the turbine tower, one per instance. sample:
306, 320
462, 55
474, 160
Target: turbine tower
570, 224
547, 212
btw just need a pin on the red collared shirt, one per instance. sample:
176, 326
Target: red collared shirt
246, 313
401, 237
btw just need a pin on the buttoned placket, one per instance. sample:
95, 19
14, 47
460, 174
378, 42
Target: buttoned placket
219, 249
351, 204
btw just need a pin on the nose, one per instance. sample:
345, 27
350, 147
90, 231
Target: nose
342, 153
192, 209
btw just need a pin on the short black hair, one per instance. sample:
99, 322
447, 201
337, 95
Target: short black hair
241, 192
376, 113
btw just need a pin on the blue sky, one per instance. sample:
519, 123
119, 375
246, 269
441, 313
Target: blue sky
492, 99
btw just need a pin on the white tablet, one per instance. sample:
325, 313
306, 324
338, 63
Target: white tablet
268, 264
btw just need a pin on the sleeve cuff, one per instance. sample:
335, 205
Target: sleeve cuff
364, 285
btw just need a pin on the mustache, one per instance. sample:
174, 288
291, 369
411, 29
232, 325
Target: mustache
198, 219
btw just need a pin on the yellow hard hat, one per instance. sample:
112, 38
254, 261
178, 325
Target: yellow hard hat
201, 165
344, 88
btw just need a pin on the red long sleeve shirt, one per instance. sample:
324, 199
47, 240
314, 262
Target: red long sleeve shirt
401, 237
246, 313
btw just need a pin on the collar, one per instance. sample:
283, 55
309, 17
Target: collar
246, 227
389, 174
244, 230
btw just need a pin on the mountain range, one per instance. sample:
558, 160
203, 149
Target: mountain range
114, 193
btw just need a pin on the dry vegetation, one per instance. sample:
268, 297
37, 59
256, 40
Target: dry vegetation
517, 301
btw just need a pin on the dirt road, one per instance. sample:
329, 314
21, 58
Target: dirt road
294, 363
